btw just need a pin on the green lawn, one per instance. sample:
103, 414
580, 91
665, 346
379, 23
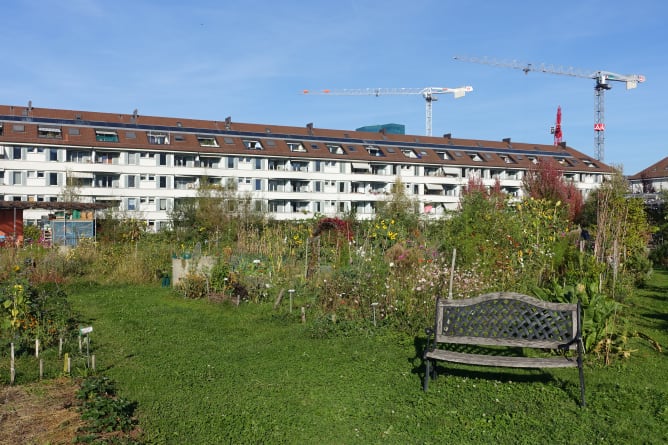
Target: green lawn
205, 373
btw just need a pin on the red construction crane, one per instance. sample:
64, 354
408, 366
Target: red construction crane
556, 130
601, 78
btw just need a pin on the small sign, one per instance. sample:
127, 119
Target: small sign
86, 330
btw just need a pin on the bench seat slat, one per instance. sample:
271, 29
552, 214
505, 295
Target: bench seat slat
503, 361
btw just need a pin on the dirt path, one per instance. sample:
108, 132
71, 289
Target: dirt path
39, 413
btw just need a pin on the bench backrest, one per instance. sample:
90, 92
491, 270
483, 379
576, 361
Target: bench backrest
507, 319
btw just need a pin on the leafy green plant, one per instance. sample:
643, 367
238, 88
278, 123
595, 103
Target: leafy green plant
103, 410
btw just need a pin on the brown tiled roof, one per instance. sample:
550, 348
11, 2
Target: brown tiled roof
654, 171
230, 136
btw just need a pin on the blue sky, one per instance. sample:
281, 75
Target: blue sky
251, 59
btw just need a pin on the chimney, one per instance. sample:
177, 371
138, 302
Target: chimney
309, 127
506, 140
228, 123
448, 135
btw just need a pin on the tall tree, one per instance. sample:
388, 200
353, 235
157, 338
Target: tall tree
545, 180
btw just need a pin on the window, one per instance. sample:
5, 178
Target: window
133, 158
130, 135
374, 151
18, 128
132, 181
258, 185
230, 162
207, 141
132, 203
17, 153
162, 204
73, 131
409, 153
228, 140
209, 162
252, 145
17, 178
335, 149
0, 129
49, 132
444, 155
297, 147
475, 157
79, 156
106, 136
162, 182
105, 181
258, 164
158, 138
162, 159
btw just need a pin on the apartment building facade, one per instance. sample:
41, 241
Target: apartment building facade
141, 165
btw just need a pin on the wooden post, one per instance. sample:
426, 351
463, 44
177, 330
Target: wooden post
12, 370
92, 362
303, 314
66, 364
279, 298
41, 369
452, 273
60, 347
37, 348
80, 348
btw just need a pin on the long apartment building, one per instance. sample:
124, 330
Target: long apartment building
140, 165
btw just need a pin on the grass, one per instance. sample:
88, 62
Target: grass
207, 373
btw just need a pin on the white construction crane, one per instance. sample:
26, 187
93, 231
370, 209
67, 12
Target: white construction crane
428, 93
601, 78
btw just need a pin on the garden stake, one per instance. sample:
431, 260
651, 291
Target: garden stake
12, 370
303, 314
60, 347
41, 369
291, 291
92, 362
37, 348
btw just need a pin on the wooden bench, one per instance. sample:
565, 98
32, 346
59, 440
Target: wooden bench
505, 319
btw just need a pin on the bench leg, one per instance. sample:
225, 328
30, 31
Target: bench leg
581, 370
427, 373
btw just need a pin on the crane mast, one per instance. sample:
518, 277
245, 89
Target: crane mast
429, 95
601, 78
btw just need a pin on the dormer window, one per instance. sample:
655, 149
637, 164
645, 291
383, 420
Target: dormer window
207, 141
296, 147
374, 151
49, 132
158, 138
106, 136
409, 153
475, 157
444, 155
253, 144
335, 149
